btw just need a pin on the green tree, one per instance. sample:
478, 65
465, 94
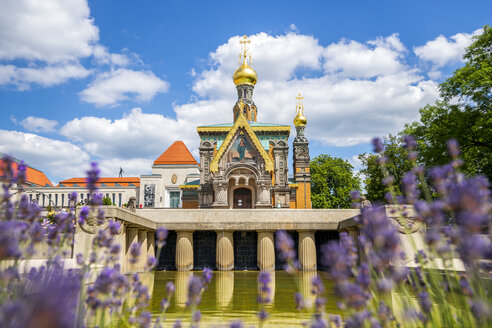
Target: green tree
107, 201
397, 164
332, 180
464, 113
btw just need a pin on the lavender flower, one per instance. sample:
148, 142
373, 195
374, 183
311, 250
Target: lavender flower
264, 280
299, 301
195, 285
262, 315
134, 252
161, 235
92, 177
84, 212
285, 246
378, 145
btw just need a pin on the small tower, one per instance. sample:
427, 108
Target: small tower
302, 175
245, 79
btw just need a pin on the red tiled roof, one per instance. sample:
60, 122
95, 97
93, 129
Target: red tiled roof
176, 154
33, 176
108, 182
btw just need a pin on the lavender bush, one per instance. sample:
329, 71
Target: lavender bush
376, 290
51, 295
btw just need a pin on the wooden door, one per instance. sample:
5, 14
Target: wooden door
242, 198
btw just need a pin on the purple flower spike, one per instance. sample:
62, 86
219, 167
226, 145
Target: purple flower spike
84, 212
262, 315
299, 301
410, 142
195, 286
161, 235
236, 324
92, 177
170, 289
285, 245
207, 276
378, 145
453, 148
134, 252
197, 316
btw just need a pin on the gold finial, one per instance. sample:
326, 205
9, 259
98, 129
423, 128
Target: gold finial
245, 74
299, 106
245, 42
300, 119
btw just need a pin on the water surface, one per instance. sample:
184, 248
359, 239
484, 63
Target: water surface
232, 296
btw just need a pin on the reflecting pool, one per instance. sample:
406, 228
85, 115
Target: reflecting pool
231, 296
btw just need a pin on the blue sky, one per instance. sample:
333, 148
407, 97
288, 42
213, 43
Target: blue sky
119, 81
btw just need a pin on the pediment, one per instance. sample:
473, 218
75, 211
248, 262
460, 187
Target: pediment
241, 146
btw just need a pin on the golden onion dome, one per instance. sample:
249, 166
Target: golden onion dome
245, 75
300, 120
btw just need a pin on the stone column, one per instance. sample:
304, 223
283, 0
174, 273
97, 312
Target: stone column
184, 250
224, 252
142, 240
307, 250
131, 238
151, 243
266, 251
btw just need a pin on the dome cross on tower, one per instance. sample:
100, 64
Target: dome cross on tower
300, 119
245, 53
245, 79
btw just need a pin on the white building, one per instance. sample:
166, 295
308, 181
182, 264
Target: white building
175, 167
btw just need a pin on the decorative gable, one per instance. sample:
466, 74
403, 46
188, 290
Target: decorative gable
243, 146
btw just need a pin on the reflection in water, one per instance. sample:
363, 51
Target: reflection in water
232, 296
305, 286
181, 284
224, 287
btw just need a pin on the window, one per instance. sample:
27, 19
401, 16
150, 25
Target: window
44, 196
114, 198
119, 199
174, 199
62, 199
56, 200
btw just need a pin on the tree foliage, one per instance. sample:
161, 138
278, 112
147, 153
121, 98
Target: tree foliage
332, 180
464, 113
397, 164
107, 201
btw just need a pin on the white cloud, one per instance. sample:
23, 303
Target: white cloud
357, 60
49, 31
46, 76
113, 87
38, 124
443, 51
58, 159
136, 135
43, 42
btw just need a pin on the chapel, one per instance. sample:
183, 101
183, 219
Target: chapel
244, 163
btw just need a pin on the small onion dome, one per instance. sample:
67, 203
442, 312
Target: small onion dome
245, 75
300, 120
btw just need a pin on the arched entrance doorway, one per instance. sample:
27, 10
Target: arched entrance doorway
242, 198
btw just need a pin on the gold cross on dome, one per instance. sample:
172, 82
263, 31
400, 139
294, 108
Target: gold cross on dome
299, 106
245, 41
